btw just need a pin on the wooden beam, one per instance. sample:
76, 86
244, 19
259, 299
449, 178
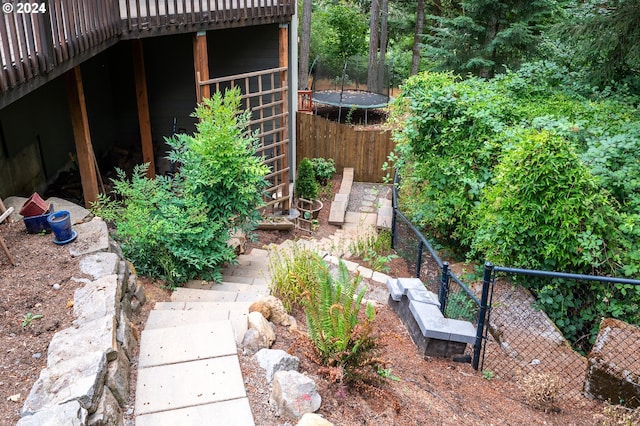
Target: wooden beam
142, 98
283, 50
81, 135
201, 65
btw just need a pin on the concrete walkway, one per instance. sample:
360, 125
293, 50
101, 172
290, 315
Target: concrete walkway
188, 370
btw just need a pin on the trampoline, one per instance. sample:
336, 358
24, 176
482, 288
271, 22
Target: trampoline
348, 93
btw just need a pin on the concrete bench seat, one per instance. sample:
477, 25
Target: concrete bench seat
419, 310
341, 200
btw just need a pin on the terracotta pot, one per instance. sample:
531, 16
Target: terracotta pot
34, 206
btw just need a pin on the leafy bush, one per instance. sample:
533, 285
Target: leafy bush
324, 169
306, 186
331, 309
446, 149
178, 229
544, 210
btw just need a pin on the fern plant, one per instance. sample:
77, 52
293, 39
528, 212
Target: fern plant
332, 309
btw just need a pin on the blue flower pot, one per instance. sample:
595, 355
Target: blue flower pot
60, 223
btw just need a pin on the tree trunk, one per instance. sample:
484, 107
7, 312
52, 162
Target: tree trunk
372, 80
417, 39
383, 44
305, 44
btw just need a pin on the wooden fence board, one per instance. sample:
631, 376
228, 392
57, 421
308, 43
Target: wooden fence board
365, 150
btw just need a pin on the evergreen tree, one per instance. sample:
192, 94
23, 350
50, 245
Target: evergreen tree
486, 36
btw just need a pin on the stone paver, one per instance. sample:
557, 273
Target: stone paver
170, 387
195, 295
169, 345
235, 412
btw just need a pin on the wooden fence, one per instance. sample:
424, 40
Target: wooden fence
363, 149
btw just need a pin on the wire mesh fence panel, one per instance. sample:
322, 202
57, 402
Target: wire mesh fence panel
406, 242
461, 304
524, 340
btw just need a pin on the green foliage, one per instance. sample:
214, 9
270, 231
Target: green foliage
375, 249
306, 185
340, 337
487, 374
461, 306
448, 141
602, 39
293, 272
387, 374
542, 198
578, 307
177, 229
485, 37
324, 169
29, 317
532, 169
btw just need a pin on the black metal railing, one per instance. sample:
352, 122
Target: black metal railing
457, 301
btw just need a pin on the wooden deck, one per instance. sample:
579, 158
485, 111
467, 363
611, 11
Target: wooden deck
37, 47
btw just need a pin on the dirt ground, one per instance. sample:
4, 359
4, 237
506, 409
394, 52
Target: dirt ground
422, 391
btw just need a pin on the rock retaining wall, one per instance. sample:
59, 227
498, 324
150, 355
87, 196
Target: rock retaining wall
86, 381
614, 367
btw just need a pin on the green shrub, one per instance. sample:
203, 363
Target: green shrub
340, 337
306, 186
177, 229
324, 169
544, 210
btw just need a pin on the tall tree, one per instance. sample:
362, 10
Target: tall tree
488, 35
417, 39
604, 39
305, 45
384, 17
374, 41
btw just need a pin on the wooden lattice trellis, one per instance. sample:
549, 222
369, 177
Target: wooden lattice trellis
265, 94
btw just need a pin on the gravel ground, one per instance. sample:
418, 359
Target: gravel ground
365, 197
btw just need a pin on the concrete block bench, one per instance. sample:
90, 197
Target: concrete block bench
419, 310
341, 200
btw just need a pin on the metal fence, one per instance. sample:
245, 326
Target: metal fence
515, 337
457, 301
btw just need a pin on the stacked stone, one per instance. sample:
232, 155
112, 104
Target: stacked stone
86, 381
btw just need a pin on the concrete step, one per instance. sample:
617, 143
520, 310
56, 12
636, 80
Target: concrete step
186, 343
196, 295
255, 285
235, 294
187, 384
191, 313
235, 412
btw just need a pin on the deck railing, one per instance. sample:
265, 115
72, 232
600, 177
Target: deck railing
165, 16
41, 41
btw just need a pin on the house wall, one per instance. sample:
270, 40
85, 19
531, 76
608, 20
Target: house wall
36, 136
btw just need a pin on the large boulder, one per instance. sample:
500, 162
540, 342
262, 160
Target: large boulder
614, 366
294, 394
260, 334
274, 360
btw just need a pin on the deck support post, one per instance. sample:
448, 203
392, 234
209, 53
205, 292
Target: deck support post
201, 65
283, 50
81, 135
142, 99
